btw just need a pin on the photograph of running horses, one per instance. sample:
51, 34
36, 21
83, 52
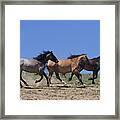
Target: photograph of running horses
60, 59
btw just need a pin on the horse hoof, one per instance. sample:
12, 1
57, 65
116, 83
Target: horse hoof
69, 79
84, 85
65, 83
36, 81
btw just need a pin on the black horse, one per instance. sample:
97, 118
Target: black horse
90, 65
36, 65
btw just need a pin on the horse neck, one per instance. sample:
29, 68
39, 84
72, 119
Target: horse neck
79, 58
47, 60
94, 60
91, 65
43, 61
75, 59
90, 62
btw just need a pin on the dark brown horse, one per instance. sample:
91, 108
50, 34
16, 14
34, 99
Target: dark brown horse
67, 65
36, 65
91, 65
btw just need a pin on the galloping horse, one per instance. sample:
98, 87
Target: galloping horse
67, 65
92, 65
36, 65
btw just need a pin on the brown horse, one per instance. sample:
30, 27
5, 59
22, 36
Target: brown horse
92, 65
67, 65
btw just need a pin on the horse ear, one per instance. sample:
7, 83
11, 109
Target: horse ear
43, 51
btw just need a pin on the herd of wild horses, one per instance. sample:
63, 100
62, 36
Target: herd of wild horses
73, 64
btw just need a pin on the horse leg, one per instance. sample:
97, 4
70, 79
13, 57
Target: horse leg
79, 76
95, 74
21, 75
71, 76
64, 75
40, 78
58, 77
22, 79
91, 78
48, 83
50, 76
21, 85
24, 82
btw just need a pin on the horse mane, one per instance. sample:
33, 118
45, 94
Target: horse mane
46, 52
96, 58
42, 55
74, 56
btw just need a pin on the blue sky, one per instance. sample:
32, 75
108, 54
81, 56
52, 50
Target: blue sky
63, 37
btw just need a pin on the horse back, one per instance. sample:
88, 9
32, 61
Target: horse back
63, 66
61, 63
64, 63
31, 65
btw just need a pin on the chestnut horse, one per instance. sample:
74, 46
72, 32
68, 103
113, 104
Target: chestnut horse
67, 65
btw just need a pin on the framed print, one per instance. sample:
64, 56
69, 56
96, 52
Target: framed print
60, 59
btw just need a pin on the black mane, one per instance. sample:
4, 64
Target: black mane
74, 56
96, 58
41, 56
46, 52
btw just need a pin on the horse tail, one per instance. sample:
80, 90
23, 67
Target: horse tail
21, 63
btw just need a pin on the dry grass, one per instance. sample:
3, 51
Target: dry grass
58, 91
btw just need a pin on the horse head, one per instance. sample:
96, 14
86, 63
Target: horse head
45, 56
83, 60
50, 56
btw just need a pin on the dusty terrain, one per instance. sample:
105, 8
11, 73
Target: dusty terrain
58, 91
